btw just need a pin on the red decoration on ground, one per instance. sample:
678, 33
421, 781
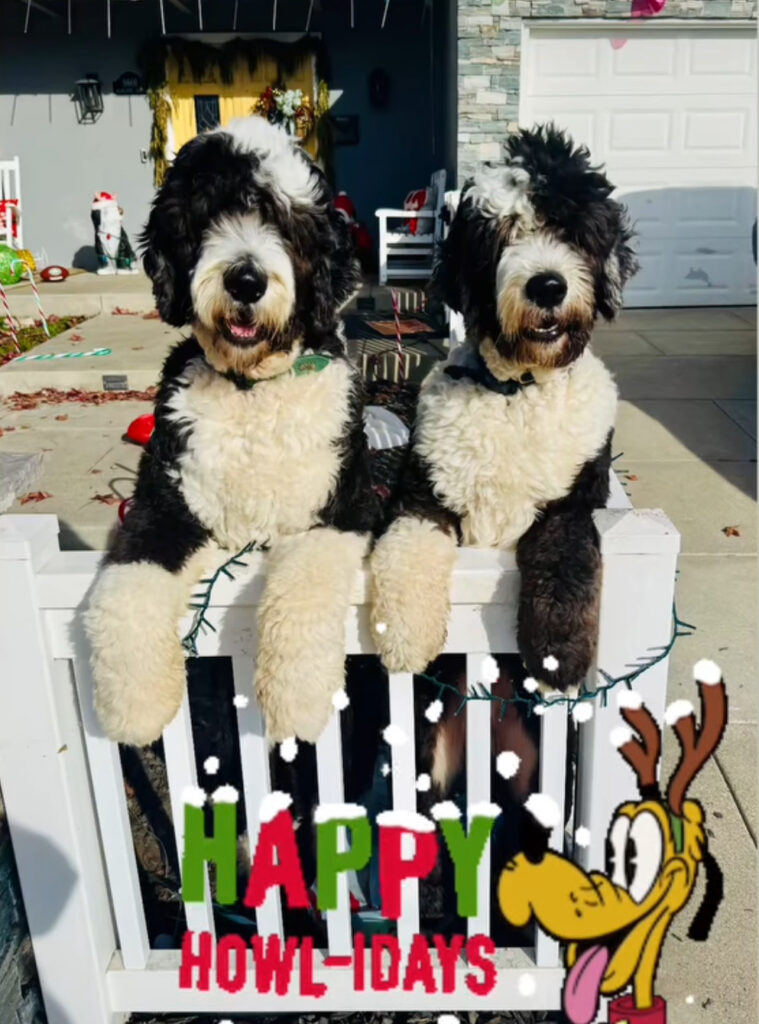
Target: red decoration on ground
54, 273
141, 430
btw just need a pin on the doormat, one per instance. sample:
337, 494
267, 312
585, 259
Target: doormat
370, 325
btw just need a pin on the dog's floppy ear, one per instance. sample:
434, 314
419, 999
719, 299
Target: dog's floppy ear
620, 265
167, 254
171, 236
335, 274
345, 272
447, 284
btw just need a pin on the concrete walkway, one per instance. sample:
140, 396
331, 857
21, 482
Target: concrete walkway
687, 431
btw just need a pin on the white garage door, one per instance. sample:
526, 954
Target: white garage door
672, 112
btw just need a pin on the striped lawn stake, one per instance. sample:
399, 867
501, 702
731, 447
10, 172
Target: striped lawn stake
62, 355
308, 16
37, 298
163, 17
11, 325
234, 16
398, 338
384, 13
200, 15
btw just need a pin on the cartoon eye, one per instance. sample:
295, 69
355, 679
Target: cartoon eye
616, 842
644, 850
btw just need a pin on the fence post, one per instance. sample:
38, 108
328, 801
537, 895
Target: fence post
46, 790
639, 550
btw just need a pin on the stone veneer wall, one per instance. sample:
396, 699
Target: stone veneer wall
489, 34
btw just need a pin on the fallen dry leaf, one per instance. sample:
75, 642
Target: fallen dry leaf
631, 476
63, 417
106, 499
34, 496
21, 400
731, 531
76, 337
119, 311
152, 315
93, 471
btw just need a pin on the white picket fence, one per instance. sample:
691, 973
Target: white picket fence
64, 794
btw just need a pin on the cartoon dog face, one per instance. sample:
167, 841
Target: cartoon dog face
615, 921
536, 251
242, 243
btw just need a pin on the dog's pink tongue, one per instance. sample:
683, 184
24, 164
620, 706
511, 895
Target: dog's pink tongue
240, 331
582, 988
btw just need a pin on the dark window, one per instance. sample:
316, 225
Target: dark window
206, 113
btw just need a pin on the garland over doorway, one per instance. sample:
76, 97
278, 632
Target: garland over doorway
170, 64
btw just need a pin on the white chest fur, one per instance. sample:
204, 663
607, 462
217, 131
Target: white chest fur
495, 460
260, 463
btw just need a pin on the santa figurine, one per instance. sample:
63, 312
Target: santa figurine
114, 252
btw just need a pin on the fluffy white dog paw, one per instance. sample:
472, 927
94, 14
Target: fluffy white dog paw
137, 658
411, 569
301, 630
295, 695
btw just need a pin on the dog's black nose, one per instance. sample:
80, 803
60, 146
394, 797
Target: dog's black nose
245, 282
546, 290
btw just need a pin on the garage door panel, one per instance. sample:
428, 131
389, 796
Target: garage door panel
672, 115
641, 60
727, 129
650, 61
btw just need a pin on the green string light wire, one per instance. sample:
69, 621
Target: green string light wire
200, 602
200, 623
481, 692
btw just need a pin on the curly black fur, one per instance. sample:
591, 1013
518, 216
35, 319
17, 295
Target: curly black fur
572, 200
213, 176
559, 560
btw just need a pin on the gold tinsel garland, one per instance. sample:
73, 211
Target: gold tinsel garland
198, 58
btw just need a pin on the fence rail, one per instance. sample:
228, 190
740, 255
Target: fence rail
64, 791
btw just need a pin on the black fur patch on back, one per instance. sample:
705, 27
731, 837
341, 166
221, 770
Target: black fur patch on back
159, 526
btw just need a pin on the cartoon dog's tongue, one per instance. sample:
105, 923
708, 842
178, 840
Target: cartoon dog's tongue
583, 985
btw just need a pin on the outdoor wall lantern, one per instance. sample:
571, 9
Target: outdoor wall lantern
88, 97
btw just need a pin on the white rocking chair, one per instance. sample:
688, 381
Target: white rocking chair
10, 188
403, 255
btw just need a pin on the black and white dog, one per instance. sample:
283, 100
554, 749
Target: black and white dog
511, 446
258, 438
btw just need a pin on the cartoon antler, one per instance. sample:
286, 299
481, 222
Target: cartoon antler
642, 754
696, 747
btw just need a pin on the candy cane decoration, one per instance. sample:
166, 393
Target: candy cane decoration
38, 300
62, 355
398, 338
9, 318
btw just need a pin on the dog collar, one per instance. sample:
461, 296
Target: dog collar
476, 369
678, 831
303, 365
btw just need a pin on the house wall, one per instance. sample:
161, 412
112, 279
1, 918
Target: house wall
63, 163
489, 37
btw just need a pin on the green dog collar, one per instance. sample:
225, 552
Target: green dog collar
303, 365
678, 831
